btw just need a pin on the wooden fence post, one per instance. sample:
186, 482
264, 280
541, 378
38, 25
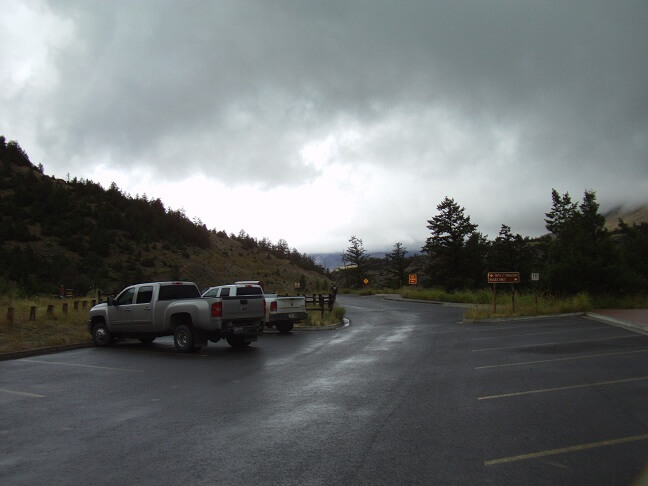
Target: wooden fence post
32, 313
321, 303
76, 305
65, 308
10, 315
84, 304
50, 310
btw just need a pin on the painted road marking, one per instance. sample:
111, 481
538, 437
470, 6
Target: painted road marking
536, 333
564, 450
570, 387
24, 394
81, 365
522, 363
627, 336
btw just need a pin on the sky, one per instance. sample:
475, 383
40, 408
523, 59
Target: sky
315, 121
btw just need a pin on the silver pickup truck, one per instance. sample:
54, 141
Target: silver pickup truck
149, 310
281, 312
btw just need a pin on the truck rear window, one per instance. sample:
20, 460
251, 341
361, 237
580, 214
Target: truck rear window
249, 291
173, 292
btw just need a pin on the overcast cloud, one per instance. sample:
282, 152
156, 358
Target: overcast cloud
313, 121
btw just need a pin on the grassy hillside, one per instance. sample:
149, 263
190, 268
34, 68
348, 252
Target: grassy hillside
630, 216
77, 234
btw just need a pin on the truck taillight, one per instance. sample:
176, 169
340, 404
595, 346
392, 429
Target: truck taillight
273, 306
217, 309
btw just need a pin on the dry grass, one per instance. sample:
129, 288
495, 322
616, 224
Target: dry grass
46, 330
315, 318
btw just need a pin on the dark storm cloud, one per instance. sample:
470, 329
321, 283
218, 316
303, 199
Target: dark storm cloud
242, 84
481, 98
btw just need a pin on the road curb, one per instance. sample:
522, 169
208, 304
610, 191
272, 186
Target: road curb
37, 352
618, 323
523, 318
331, 327
396, 297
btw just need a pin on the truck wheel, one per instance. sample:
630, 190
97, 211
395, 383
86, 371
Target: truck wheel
284, 327
183, 338
146, 339
100, 335
237, 341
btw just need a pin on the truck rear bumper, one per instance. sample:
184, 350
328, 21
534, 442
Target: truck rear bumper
251, 330
287, 317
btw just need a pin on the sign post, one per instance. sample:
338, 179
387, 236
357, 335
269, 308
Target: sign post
535, 277
506, 278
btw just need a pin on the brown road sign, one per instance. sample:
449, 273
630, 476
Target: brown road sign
413, 279
504, 277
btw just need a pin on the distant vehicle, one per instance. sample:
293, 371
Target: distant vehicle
150, 310
281, 312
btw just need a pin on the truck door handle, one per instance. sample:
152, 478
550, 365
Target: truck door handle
147, 308
244, 302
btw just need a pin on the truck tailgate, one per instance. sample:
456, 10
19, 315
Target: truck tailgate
290, 304
244, 307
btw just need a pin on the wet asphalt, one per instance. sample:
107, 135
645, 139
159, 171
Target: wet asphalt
407, 394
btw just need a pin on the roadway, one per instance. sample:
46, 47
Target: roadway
407, 394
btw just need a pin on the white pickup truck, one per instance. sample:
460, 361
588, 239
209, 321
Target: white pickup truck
149, 310
281, 312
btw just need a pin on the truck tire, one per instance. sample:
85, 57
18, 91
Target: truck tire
237, 341
183, 338
146, 339
100, 335
284, 327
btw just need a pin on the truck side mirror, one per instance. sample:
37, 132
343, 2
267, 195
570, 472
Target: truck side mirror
111, 300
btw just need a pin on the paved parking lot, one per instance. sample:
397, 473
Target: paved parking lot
408, 394
564, 388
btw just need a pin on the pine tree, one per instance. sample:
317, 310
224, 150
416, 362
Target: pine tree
451, 258
398, 263
356, 256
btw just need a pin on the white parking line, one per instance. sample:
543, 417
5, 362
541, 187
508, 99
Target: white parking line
81, 365
522, 363
537, 333
564, 450
24, 394
560, 388
627, 336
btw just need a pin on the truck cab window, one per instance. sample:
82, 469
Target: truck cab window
126, 297
144, 295
224, 292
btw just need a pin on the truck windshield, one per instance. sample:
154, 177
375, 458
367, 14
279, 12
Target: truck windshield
173, 292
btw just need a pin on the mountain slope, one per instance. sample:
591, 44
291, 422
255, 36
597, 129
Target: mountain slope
77, 234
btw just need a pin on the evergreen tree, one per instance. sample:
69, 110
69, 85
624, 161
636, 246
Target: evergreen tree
581, 256
633, 257
356, 256
397, 261
562, 212
454, 247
